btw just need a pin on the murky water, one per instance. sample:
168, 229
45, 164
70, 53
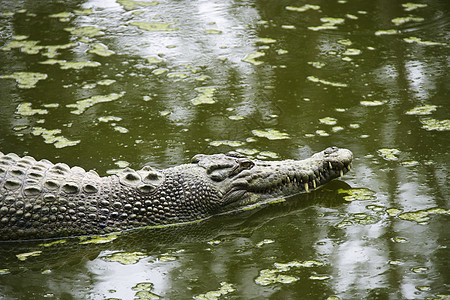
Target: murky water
109, 84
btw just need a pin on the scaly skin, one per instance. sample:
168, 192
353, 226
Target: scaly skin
41, 200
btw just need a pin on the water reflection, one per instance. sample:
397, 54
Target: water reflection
131, 82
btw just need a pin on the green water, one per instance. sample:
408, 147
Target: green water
109, 84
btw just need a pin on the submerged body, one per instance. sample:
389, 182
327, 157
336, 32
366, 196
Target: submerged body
40, 200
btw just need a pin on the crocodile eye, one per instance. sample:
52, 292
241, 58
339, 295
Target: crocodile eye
246, 164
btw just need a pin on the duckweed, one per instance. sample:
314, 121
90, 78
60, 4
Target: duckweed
130, 4
102, 239
205, 97
386, 32
264, 242
328, 121
251, 58
125, 258
271, 134
25, 109
86, 31
421, 216
225, 288
422, 110
388, 154
155, 26
25, 256
433, 124
101, 50
50, 137
81, 105
272, 276
402, 20
412, 6
373, 103
227, 143
326, 82
419, 41
303, 8
26, 80
356, 194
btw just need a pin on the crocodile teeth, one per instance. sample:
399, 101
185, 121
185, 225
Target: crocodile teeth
341, 173
306, 187
330, 165
314, 184
349, 167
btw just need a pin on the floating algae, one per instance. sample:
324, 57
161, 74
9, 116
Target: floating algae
205, 97
356, 194
86, 31
155, 26
251, 58
25, 109
271, 134
101, 50
84, 104
331, 83
433, 124
388, 154
125, 258
50, 137
422, 110
26, 80
225, 288
303, 8
25, 256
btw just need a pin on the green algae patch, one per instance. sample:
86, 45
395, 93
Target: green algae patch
393, 212
86, 31
26, 255
26, 80
352, 51
433, 124
422, 110
159, 71
50, 137
265, 40
373, 102
179, 75
4, 271
81, 105
251, 58
28, 47
316, 64
319, 277
359, 218
50, 244
106, 82
109, 119
402, 20
388, 153
264, 242
25, 109
419, 41
155, 26
52, 51
101, 50
206, 95
121, 129
154, 59
225, 288
328, 23
326, 82
77, 65
360, 194
144, 291
303, 8
273, 276
271, 134
328, 121
62, 16
386, 32
130, 4
213, 31
412, 6
227, 143
125, 258
422, 216
101, 239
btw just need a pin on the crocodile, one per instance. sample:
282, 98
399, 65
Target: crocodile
42, 200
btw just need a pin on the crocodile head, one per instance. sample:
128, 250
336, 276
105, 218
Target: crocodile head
240, 181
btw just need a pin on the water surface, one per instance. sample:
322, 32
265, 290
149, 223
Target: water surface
110, 84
